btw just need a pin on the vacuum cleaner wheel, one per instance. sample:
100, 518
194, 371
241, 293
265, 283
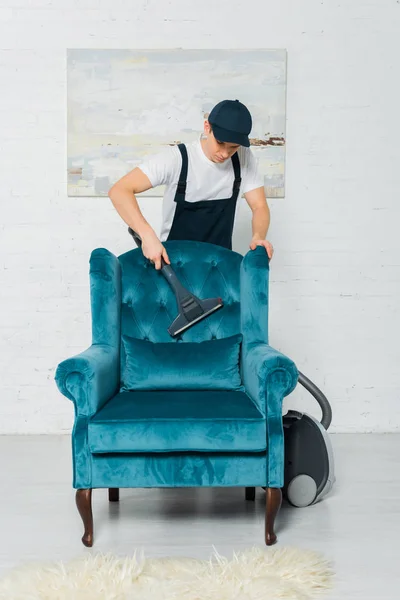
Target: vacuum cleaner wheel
302, 491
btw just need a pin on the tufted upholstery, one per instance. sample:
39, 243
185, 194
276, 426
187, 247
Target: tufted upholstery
148, 305
128, 296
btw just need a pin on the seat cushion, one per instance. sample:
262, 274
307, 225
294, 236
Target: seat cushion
209, 365
177, 421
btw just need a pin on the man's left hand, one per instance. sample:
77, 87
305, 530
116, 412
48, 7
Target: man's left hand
267, 245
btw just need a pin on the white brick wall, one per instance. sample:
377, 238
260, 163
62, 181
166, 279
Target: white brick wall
335, 276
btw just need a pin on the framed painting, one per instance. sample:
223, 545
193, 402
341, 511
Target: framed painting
126, 104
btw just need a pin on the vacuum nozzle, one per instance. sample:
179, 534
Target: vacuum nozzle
191, 309
200, 310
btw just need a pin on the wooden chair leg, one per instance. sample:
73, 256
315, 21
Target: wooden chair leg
272, 506
113, 494
83, 500
251, 493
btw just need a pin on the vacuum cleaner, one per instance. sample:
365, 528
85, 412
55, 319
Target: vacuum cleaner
191, 309
309, 466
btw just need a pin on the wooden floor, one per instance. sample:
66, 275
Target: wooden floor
357, 526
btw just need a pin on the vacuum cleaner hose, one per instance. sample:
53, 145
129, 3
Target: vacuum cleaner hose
320, 398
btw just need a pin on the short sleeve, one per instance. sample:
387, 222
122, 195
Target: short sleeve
162, 168
251, 177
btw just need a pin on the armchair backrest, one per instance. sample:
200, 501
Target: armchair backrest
148, 305
128, 295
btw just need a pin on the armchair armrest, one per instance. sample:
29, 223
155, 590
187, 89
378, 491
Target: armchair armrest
90, 378
268, 377
263, 366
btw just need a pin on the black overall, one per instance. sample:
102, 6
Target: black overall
205, 220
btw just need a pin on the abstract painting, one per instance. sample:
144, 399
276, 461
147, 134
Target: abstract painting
124, 105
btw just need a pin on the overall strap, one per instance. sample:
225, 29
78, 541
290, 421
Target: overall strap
237, 173
181, 189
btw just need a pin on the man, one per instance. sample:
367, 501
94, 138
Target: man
203, 181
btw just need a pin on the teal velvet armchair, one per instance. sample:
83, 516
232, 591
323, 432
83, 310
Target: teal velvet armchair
203, 409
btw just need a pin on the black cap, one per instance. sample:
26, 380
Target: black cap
231, 122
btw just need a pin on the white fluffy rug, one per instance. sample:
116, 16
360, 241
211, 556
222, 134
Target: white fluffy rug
257, 573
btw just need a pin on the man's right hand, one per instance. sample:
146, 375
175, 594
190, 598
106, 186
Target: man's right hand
122, 195
153, 249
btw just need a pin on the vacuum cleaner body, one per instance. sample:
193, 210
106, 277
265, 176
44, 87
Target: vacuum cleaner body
309, 464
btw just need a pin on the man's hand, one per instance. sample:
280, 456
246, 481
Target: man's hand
267, 245
260, 222
153, 249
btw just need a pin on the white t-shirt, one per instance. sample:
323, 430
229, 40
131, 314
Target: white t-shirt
206, 180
